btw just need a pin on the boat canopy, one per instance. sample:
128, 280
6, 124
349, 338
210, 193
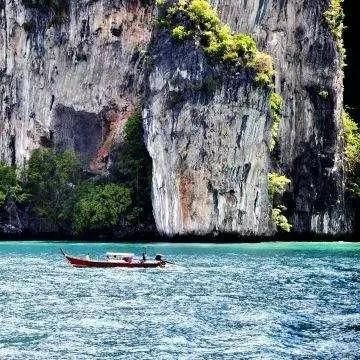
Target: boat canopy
119, 255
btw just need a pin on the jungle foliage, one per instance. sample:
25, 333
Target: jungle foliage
51, 179
10, 186
334, 17
54, 186
100, 206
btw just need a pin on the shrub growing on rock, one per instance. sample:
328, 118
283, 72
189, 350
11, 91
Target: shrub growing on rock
277, 184
276, 106
199, 19
352, 152
280, 220
335, 16
277, 187
179, 32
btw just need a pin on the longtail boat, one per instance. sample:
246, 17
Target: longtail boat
118, 260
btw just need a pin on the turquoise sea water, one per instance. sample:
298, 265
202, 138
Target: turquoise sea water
261, 301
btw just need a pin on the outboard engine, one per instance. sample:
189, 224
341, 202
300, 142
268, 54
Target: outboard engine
158, 257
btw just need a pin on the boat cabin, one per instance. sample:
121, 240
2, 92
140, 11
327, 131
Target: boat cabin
127, 257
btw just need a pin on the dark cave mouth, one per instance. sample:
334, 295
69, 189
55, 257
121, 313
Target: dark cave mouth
352, 69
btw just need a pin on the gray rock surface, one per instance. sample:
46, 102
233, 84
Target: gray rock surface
296, 34
88, 64
207, 131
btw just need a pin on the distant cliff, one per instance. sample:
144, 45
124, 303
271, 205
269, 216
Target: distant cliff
72, 75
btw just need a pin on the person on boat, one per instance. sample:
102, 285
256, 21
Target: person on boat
159, 258
143, 256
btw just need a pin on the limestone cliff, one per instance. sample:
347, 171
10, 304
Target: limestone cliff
207, 132
297, 35
73, 82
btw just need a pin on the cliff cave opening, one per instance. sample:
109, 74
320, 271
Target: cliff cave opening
352, 70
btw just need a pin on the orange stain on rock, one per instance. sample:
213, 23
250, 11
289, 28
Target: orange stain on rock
185, 188
114, 125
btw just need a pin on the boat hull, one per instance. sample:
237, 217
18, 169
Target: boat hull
85, 263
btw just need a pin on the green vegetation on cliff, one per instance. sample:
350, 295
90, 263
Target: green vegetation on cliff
10, 186
352, 153
276, 106
133, 168
179, 32
334, 16
198, 20
278, 184
60, 193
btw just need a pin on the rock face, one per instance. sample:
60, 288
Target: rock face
207, 130
64, 80
73, 82
296, 34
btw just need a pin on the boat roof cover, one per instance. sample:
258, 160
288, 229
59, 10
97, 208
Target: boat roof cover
120, 254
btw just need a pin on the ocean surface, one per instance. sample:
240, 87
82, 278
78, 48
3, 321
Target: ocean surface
242, 301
